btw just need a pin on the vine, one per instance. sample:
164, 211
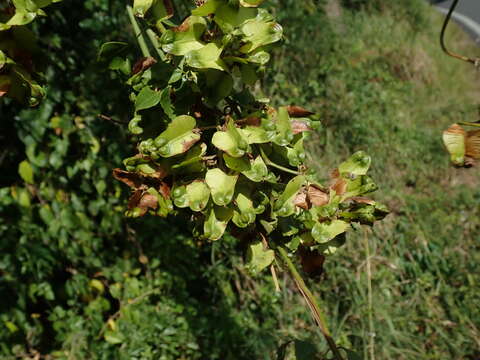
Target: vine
213, 151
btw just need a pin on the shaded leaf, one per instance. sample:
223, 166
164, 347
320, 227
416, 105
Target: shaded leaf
147, 98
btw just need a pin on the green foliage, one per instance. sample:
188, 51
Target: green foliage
19, 52
211, 151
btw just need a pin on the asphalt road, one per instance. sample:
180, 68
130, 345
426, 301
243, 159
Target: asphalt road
467, 14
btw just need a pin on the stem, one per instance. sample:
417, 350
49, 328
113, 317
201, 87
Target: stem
371, 327
312, 303
469, 124
475, 62
279, 167
153, 39
138, 33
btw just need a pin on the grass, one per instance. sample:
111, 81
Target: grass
380, 83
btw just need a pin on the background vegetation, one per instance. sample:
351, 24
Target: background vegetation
79, 281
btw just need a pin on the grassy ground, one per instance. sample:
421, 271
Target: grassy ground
380, 83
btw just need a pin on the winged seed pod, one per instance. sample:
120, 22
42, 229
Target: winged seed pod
463, 146
209, 150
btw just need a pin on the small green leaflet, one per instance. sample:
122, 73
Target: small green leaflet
324, 232
147, 98
26, 171
357, 164
221, 185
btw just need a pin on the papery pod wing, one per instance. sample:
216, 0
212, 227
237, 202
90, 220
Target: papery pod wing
198, 194
472, 145
326, 231
285, 204
357, 164
217, 219
178, 138
230, 17
454, 139
251, 3
185, 38
259, 32
206, 57
244, 214
259, 258
209, 7
140, 7
230, 141
222, 186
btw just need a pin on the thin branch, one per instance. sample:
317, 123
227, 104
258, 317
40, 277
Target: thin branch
371, 327
476, 61
279, 167
311, 302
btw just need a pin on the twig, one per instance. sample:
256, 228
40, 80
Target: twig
311, 302
279, 167
108, 118
371, 327
476, 61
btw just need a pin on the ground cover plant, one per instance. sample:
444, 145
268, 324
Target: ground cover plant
369, 85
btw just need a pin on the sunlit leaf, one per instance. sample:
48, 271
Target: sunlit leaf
357, 164
185, 38
284, 206
206, 57
258, 258
26, 171
221, 185
326, 231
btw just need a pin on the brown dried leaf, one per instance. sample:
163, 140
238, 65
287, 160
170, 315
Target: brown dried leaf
143, 64
362, 200
183, 26
301, 200
317, 196
135, 199
129, 178
188, 144
169, 7
300, 126
164, 190
148, 201
297, 111
250, 121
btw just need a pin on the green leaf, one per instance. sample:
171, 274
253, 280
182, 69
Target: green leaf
221, 185
251, 3
178, 138
133, 125
357, 164
237, 164
284, 206
113, 337
255, 135
147, 98
111, 49
284, 127
216, 222
140, 7
230, 141
207, 8
326, 231
258, 170
185, 38
192, 162
258, 258
229, 17
244, 214
219, 86
26, 171
206, 57
198, 194
360, 186
166, 102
